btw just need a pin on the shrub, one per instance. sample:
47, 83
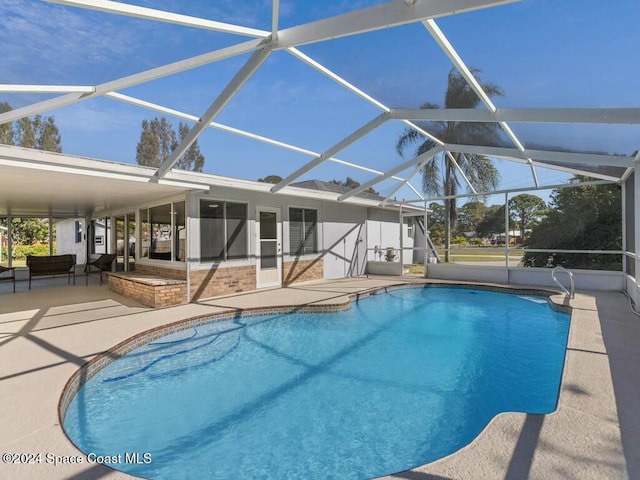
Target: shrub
20, 252
459, 240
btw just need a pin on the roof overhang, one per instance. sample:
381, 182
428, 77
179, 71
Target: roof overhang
38, 183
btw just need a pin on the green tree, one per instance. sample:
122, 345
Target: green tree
25, 133
158, 141
436, 223
526, 210
271, 179
27, 231
470, 215
492, 222
350, 183
585, 217
40, 132
192, 158
6, 129
440, 175
47, 134
148, 149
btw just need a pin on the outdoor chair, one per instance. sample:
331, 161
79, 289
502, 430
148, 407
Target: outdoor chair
100, 264
51, 265
12, 276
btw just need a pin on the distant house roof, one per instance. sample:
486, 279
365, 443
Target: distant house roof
333, 187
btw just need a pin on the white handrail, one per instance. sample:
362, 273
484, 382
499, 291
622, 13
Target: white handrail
570, 294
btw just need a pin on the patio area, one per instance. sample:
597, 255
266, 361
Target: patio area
46, 334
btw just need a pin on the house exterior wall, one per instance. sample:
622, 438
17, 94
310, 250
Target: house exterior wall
344, 240
66, 239
216, 280
338, 230
341, 242
302, 271
419, 242
383, 233
101, 232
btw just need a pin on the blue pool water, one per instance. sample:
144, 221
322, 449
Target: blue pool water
400, 379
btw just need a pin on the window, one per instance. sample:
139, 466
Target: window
163, 233
22, 236
179, 232
78, 231
303, 228
160, 228
223, 231
145, 228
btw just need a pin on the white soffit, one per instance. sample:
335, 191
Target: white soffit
37, 183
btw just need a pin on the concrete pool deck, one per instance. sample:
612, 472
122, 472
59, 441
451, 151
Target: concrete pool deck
47, 333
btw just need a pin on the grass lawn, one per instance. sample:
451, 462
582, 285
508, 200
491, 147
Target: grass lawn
483, 254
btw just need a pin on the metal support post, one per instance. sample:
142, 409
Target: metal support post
506, 236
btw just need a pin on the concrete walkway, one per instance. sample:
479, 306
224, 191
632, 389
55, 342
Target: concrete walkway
46, 334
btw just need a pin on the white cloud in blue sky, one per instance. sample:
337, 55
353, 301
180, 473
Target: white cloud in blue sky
43, 42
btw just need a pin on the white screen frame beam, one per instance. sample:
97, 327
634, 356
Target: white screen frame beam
236, 83
584, 159
422, 158
599, 116
341, 145
387, 15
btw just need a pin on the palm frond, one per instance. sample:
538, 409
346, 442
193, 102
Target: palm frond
461, 95
431, 181
481, 172
408, 137
444, 179
411, 136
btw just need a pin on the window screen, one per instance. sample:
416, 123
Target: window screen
223, 230
303, 226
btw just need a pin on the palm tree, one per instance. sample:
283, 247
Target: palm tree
479, 169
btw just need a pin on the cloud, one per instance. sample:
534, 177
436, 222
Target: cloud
45, 43
98, 115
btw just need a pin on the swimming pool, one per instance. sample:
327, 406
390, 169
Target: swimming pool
400, 379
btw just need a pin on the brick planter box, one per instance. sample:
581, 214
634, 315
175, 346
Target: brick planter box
150, 290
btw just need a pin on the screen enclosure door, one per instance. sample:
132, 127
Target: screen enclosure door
269, 247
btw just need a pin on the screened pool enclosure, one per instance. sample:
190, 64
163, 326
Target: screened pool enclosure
412, 100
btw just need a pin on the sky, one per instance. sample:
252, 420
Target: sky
542, 53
